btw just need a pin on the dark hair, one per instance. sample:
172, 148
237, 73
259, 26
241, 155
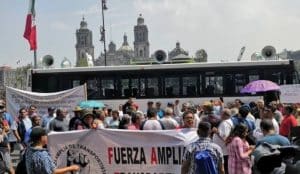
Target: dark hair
186, 113
204, 129
58, 111
150, 103
289, 109
21, 109
135, 116
115, 111
36, 133
239, 130
267, 125
151, 113
124, 122
244, 111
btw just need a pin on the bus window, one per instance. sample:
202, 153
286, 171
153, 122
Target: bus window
125, 88
240, 82
152, 87
134, 87
75, 83
142, 88
171, 88
108, 87
213, 85
189, 86
93, 89
253, 77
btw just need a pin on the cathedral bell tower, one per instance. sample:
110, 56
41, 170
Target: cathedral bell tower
84, 44
141, 42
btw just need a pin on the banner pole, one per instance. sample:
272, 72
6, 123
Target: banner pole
35, 60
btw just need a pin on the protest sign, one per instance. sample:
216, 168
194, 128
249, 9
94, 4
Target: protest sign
290, 93
121, 151
68, 99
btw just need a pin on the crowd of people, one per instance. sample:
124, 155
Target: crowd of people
230, 132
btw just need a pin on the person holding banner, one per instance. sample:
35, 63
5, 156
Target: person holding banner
38, 159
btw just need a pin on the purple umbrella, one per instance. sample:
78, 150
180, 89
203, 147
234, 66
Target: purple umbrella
260, 86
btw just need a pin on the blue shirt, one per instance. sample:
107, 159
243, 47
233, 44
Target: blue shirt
274, 139
12, 127
27, 136
39, 161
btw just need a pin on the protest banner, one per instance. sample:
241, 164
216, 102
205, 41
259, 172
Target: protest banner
121, 151
68, 99
290, 93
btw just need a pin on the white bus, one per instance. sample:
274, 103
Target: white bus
194, 82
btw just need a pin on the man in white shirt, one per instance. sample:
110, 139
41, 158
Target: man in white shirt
168, 121
152, 123
267, 114
222, 133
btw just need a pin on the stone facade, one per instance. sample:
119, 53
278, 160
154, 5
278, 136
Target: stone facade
125, 54
122, 56
177, 51
141, 42
84, 43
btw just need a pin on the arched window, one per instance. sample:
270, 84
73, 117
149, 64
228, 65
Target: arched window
141, 53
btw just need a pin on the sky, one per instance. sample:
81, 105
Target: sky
221, 27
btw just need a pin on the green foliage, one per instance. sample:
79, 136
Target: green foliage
82, 62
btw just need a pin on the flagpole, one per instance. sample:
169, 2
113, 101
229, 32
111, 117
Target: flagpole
34, 59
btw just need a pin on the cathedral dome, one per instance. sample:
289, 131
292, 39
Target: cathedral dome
66, 63
177, 51
125, 46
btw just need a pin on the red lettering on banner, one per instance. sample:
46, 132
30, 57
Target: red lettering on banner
110, 154
153, 156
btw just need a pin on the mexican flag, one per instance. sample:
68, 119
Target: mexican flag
30, 28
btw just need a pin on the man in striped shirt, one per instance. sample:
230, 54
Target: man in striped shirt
203, 143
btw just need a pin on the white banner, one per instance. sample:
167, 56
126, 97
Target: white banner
16, 99
290, 93
121, 151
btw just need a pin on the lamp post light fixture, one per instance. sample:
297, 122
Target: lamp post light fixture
102, 28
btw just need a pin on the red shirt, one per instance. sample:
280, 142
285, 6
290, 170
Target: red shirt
287, 123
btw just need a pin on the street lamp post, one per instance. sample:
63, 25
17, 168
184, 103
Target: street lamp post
102, 28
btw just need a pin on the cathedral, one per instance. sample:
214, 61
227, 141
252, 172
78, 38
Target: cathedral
125, 54
121, 56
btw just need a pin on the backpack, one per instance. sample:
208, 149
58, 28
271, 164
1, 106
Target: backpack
21, 166
204, 163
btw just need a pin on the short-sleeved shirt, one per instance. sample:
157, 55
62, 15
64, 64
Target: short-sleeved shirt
152, 125
39, 161
200, 145
59, 125
275, 139
169, 123
287, 123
